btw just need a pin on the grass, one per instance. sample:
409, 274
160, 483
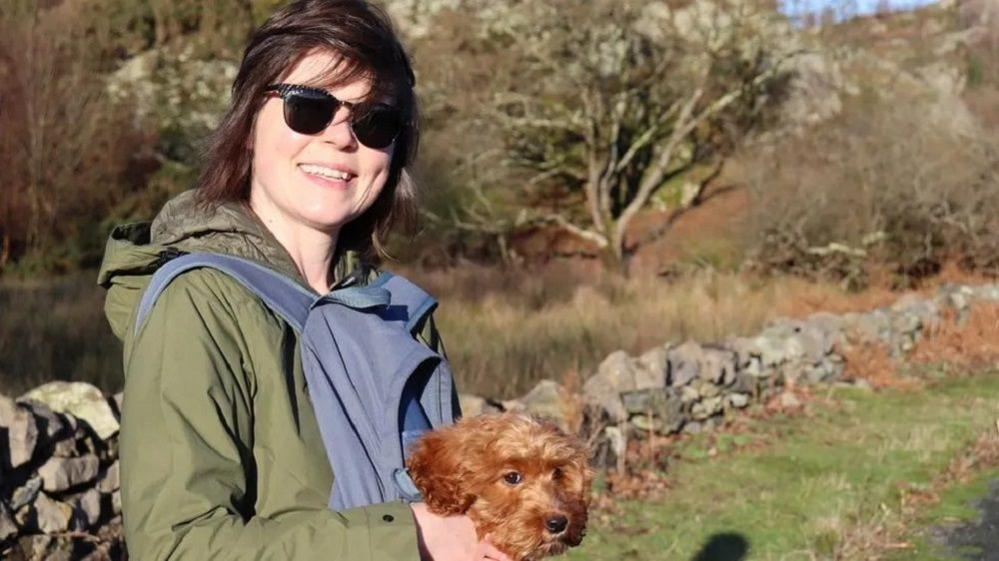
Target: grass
806, 487
55, 330
955, 508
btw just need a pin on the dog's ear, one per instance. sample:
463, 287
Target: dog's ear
439, 469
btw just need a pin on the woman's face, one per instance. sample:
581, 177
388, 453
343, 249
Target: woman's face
297, 180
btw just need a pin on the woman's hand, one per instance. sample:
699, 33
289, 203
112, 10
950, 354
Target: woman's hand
451, 538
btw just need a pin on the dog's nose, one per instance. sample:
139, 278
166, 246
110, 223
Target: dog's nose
556, 524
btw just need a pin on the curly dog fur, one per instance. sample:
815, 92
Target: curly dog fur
521, 480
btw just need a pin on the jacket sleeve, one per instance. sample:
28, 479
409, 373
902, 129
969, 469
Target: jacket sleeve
188, 485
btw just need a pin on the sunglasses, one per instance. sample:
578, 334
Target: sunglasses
310, 110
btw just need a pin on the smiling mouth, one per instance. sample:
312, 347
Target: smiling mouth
327, 173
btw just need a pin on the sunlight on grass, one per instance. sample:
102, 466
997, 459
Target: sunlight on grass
821, 477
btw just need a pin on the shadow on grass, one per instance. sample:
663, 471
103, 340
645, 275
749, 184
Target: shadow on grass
726, 546
978, 540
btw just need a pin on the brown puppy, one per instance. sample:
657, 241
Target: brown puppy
521, 480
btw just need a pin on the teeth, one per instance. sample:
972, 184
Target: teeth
324, 171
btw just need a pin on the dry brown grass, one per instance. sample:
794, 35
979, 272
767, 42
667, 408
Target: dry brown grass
963, 344
505, 331
873, 362
967, 343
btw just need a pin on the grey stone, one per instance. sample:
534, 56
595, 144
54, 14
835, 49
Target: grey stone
830, 324
473, 405
706, 408
111, 480
870, 327
737, 400
65, 448
684, 363
547, 399
116, 502
707, 389
693, 427
664, 404
718, 365
648, 423
51, 425
25, 494
615, 374
689, 394
755, 368
88, 507
788, 340
986, 292
712, 423
53, 515
25, 517
744, 348
744, 383
816, 373
34, 548
81, 400
906, 323
772, 349
8, 527
7, 411
957, 297
59, 474
652, 368
22, 436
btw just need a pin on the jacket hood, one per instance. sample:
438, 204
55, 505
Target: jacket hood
135, 251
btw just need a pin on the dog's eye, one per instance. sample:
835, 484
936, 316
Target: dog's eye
557, 474
513, 478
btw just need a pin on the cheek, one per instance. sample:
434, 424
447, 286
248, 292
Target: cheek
375, 164
274, 144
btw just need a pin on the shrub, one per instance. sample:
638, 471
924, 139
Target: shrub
881, 183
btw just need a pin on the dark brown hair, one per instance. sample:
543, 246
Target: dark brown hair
362, 35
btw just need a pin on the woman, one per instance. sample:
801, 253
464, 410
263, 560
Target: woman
221, 455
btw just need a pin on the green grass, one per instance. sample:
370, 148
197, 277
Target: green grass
955, 508
806, 485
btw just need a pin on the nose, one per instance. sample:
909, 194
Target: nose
556, 524
338, 132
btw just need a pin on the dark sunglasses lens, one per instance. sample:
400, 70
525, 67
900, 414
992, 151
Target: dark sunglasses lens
378, 127
308, 113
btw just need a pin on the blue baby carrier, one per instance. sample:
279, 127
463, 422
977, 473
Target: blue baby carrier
373, 386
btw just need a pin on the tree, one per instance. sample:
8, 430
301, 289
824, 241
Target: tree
617, 99
57, 131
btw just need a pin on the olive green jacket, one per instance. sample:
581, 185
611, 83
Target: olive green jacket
221, 456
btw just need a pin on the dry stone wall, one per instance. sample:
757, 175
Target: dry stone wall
59, 478
692, 386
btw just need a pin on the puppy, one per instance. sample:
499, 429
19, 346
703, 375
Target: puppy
521, 480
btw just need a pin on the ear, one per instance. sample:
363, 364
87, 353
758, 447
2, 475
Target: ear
438, 468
